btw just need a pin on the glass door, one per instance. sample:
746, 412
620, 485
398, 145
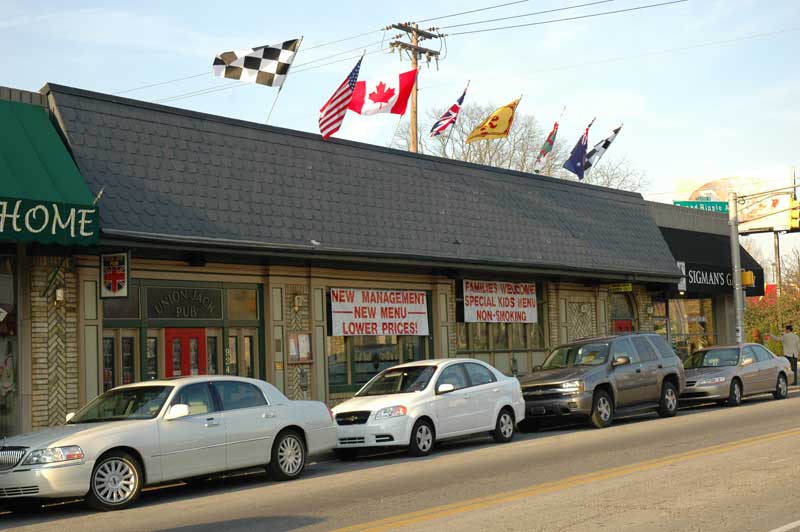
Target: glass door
185, 352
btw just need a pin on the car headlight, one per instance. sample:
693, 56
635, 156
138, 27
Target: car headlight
55, 454
572, 386
391, 411
710, 380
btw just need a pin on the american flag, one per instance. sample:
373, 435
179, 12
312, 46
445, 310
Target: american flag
449, 117
332, 113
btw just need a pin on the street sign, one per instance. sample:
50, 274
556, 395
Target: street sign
713, 206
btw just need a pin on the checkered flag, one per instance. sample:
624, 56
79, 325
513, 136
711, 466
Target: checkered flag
594, 155
265, 65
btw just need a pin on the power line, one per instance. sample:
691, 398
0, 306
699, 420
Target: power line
175, 80
626, 10
566, 8
209, 90
474, 11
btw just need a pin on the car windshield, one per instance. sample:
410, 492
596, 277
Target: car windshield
577, 355
139, 402
713, 358
399, 380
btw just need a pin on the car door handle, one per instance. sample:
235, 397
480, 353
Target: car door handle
661, 366
266, 415
496, 390
638, 370
211, 422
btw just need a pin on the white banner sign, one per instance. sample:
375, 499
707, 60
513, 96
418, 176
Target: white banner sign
361, 312
498, 302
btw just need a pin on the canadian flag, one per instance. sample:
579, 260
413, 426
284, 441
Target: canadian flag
384, 95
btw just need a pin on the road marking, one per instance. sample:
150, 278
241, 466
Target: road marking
787, 528
469, 505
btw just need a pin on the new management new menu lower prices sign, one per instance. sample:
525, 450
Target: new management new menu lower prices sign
365, 312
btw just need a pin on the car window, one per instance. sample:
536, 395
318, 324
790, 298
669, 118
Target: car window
235, 395
622, 348
197, 397
762, 354
479, 374
454, 375
749, 353
644, 349
663, 347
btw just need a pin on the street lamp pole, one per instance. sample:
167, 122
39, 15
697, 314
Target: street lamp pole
738, 295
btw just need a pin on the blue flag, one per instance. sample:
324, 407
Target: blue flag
577, 158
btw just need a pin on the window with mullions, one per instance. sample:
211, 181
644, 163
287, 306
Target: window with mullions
354, 360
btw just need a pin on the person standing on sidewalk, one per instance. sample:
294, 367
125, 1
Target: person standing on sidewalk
791, 344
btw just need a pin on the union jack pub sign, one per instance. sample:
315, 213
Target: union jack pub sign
114, 269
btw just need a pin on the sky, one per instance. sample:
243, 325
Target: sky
706, 89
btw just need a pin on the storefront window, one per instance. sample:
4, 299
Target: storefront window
248, 356
622, 314
242, 304
194, 356
109, 363
9, 348
479, 336
211, 353
499, 333
151, 359
127, 359
231, 364
354, 360
462, 340
691, 324
518, 336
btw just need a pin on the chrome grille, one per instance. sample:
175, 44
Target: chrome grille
351, 441
19, 491
11, 456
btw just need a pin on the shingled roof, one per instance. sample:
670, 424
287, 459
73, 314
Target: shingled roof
179, 176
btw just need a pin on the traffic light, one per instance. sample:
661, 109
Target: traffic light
794, 215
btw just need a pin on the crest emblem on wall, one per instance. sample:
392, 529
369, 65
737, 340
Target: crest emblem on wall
114, 272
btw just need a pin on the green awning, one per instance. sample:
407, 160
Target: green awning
43, 197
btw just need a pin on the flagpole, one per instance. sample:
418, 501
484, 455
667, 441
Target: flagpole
453, 125
269, 115
511, 155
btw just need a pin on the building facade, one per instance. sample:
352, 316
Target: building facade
251, 250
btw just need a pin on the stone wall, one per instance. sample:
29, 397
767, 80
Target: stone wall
54, 341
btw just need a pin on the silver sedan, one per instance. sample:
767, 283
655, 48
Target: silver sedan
157, 431
726, 374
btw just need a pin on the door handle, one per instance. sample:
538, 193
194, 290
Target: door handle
496, 390
211, 422
266, 415
638, 370
661, 366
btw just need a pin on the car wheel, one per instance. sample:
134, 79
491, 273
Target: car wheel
782, 388
668, 405
422, 438
346, 455
504, 427
735, 396
116, 482
288, 456
602, 410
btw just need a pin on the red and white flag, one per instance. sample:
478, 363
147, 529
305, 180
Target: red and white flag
332, 113
388, 95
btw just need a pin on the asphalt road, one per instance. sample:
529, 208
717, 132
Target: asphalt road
708, 469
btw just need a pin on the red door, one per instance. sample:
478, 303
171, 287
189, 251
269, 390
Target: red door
185, 353
621, 326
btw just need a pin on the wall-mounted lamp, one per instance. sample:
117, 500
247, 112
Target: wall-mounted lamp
58, 295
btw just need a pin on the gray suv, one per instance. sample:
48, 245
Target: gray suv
600, 378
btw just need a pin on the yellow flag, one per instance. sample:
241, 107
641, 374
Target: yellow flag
497, 125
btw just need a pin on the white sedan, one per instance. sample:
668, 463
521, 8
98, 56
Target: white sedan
414, 405
158, 431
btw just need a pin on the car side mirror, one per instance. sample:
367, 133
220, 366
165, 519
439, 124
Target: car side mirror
621, 361
747, 361
177, 411
445, 388
70, 416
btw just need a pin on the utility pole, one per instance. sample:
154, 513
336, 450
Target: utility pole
777, 242
738, 296
415, 51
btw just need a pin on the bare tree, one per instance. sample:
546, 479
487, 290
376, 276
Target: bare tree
516, 152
